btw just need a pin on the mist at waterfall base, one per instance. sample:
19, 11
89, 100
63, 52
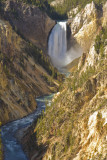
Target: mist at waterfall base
57, 47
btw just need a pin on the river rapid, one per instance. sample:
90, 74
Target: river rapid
12, 148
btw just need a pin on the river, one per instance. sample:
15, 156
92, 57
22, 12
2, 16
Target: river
12, 149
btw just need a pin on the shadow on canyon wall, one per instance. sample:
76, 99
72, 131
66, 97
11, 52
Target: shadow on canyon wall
33, 150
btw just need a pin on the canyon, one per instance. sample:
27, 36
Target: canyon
74, 126
24, 68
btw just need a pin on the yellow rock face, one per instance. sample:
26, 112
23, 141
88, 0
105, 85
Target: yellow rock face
104, 19
3, 79
8, 37
21, 78
87, 24
86, 35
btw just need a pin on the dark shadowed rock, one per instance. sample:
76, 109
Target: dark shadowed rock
29, 21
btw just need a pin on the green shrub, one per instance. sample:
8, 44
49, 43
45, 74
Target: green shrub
101, 42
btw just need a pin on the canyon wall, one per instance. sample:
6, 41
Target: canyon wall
75, 125
25, 72
29, 21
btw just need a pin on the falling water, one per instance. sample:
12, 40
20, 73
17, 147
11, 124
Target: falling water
57, 45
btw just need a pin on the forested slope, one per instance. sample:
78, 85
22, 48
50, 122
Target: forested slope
74, 127
25, 70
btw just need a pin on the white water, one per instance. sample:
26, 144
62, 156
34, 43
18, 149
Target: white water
57, 45
12, 148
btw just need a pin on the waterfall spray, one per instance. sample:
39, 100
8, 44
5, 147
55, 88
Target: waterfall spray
57, 45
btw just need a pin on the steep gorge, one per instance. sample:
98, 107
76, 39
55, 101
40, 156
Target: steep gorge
25, 72
75, 126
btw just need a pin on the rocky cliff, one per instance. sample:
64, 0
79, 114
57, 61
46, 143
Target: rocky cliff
29, 21
85, 24
25, 72
75, 126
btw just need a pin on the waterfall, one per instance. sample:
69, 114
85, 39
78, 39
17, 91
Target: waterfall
57, 45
